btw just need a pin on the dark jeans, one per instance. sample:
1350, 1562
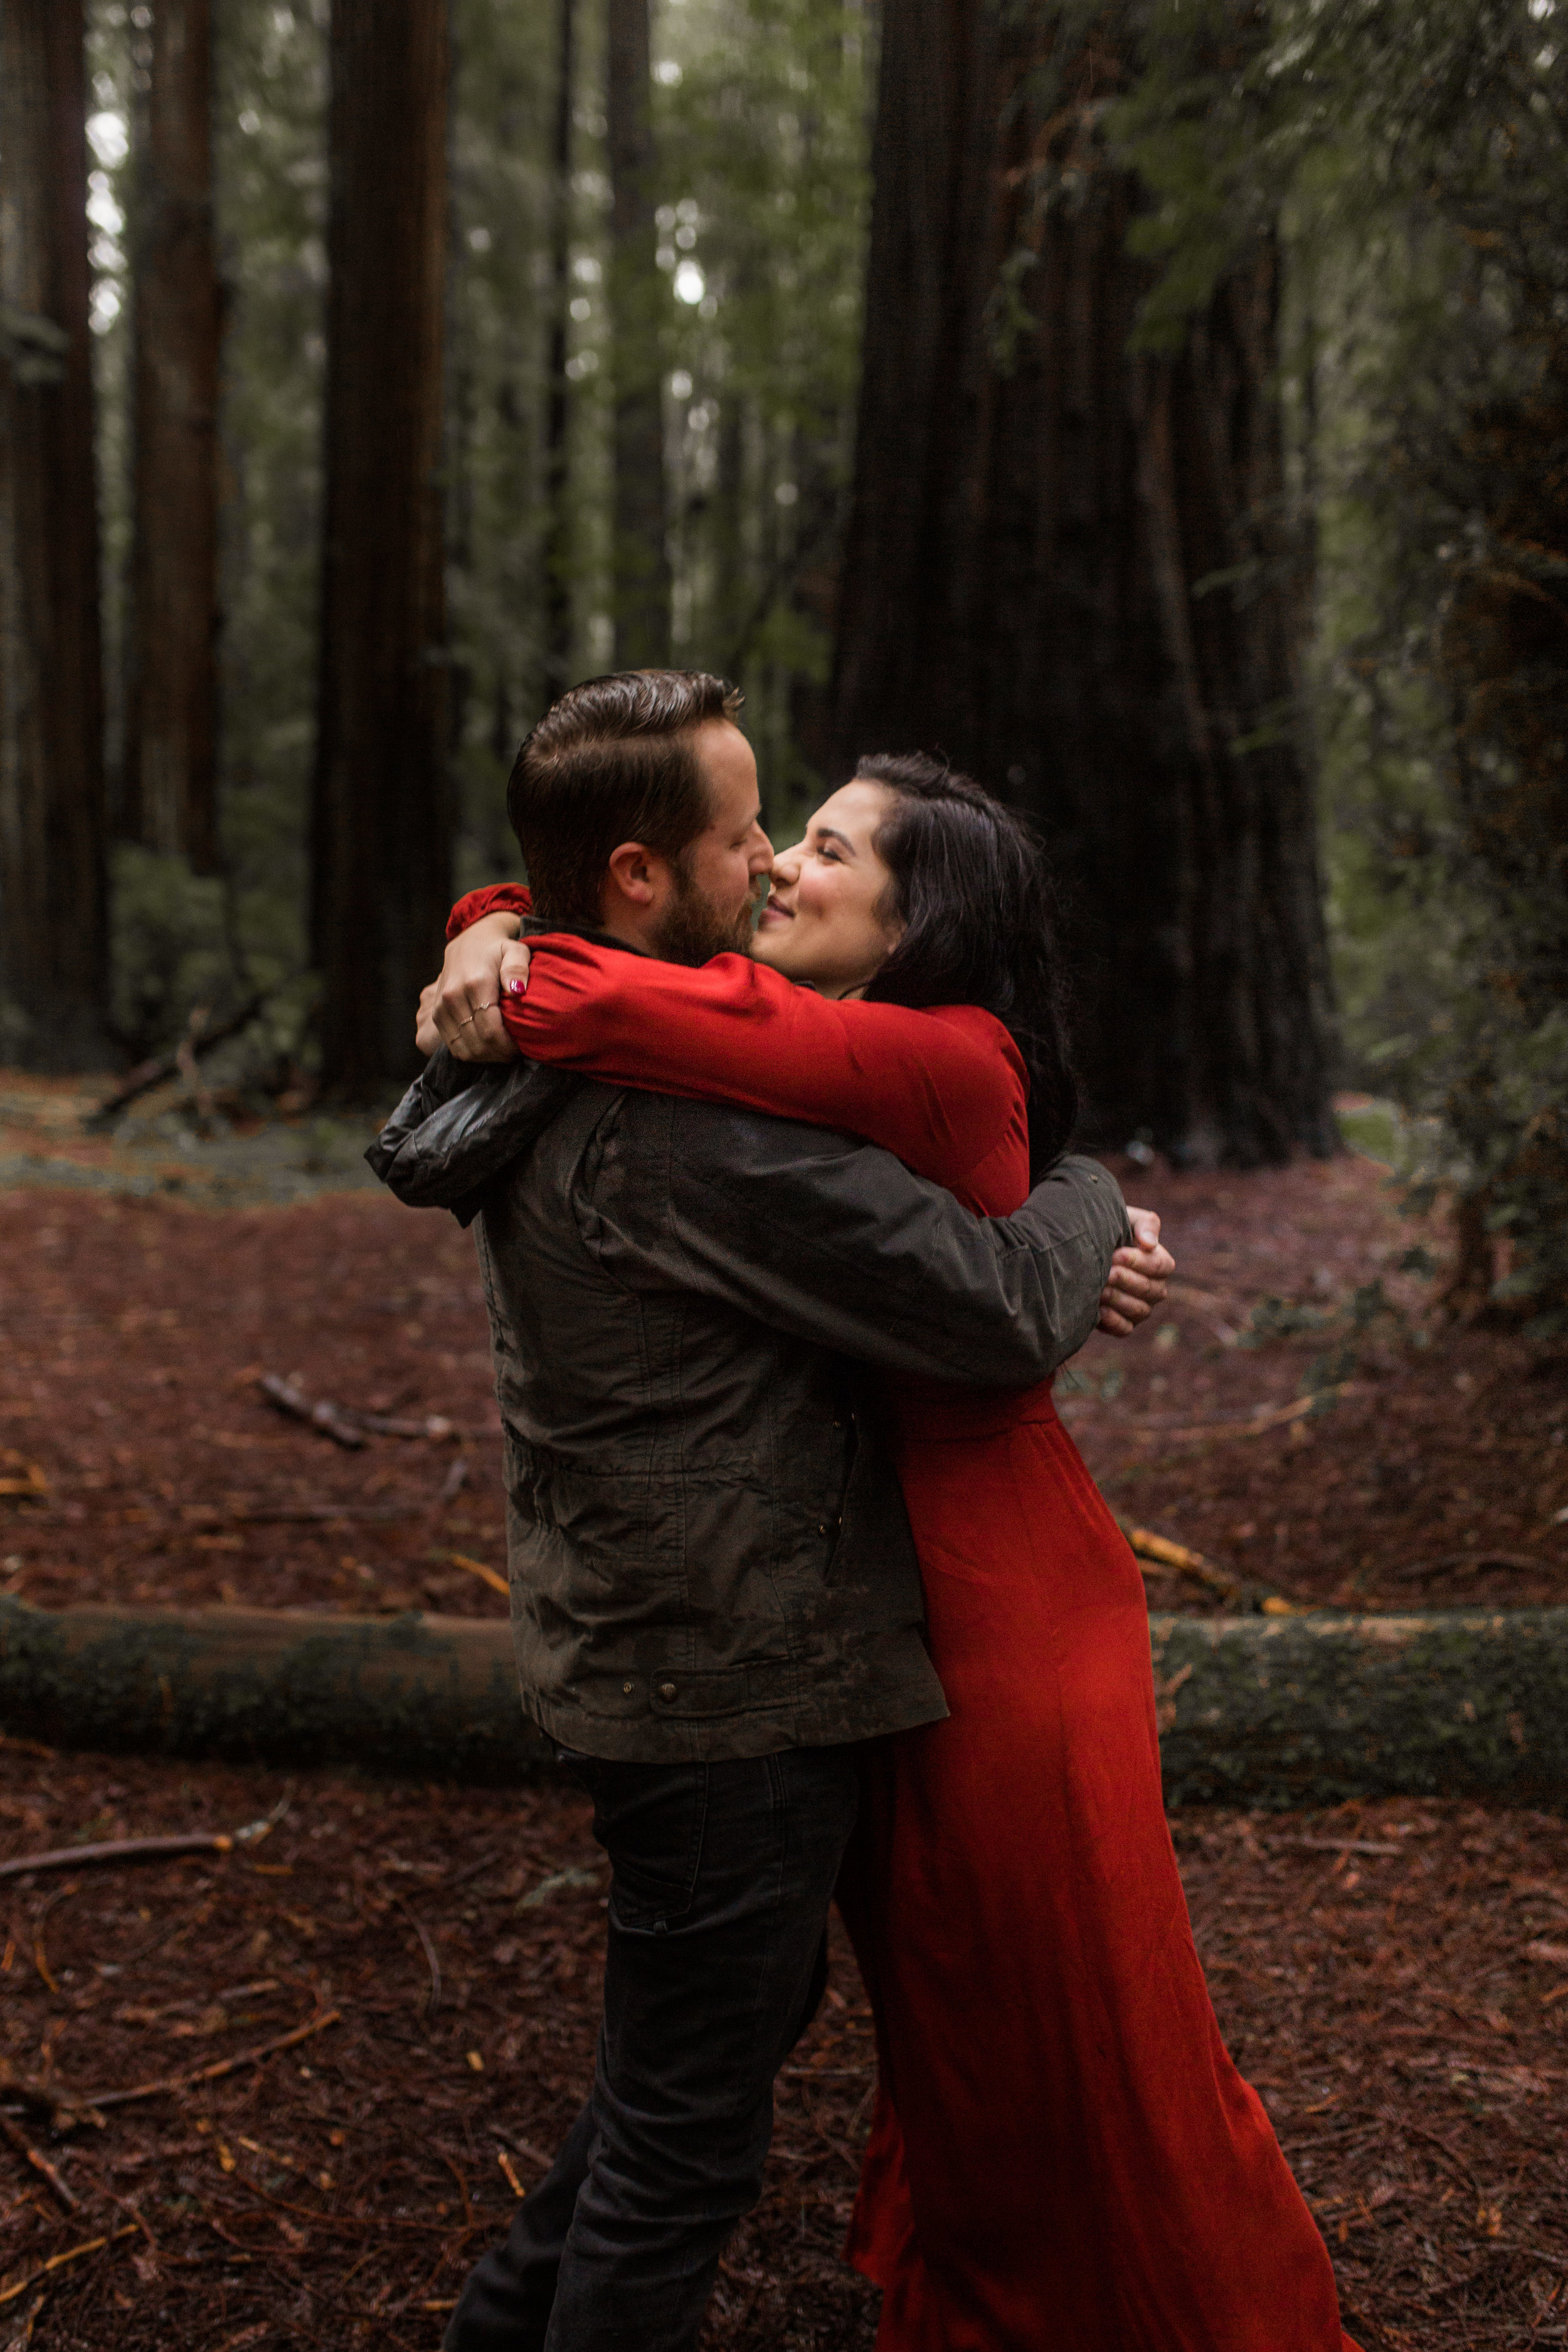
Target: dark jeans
722, 1876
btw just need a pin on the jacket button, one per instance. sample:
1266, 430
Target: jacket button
822, 1527
628, 1688
666, 1690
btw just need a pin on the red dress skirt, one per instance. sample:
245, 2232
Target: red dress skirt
1063, 2154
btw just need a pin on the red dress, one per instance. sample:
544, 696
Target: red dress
1063, 2156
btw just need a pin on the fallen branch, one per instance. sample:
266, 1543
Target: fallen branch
58, 2262
477, 1567
292, 1401
151, 1073
51, 2105
1463, 1564
345, 1425
147, 1849
39, 2162
168, 2083
31, 1487
1273, 1417
1178, 1556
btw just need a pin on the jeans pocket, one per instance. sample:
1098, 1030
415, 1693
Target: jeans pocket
649, 1819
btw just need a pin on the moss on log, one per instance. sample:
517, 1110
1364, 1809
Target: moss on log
435, 1696
1278, 1711
1254, 1710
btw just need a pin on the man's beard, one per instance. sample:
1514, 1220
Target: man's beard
693, 929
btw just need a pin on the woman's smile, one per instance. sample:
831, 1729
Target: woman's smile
825, 923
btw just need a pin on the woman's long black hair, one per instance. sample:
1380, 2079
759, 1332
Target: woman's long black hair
971, 888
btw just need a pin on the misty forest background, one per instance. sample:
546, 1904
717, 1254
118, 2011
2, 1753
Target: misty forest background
1162, 408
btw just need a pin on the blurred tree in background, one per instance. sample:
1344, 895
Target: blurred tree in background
170, 774
1073, 564
52, 959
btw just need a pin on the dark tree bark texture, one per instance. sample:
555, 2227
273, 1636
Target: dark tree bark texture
381, 815
642, 574
558, 413
53, 960
1067, 570
170, 736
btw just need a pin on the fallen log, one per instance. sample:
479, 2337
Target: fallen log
1256, 1710
435, 1696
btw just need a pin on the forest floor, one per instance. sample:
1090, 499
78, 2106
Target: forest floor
420, 1966
152, 1280
1393, 1977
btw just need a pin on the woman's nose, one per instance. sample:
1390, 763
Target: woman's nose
787, 867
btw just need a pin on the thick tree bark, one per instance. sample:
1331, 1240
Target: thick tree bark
1067, 570
170, 736
558, 415
53, 956
641, 559
382, 812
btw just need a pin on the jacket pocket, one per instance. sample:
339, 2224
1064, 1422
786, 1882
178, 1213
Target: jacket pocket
649, 1820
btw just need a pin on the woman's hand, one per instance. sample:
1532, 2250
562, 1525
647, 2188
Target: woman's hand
1137, 1280
461, 1010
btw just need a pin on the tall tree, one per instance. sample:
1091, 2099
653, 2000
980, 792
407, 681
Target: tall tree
170, 734
52, 890
557, 419
1068, 567
641, 517
382, 820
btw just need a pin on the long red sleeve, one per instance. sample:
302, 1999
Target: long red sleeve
944, 1090
494, 899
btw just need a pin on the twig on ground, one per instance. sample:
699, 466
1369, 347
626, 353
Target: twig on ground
147, 1849
432, 1998
477, 1567
40, 2163
170, 2083
1178, 1556
289, 1399
58, 2262
452, 1485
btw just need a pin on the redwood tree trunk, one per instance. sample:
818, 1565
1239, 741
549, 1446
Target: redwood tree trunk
171, 738
1036, 583
382, 815
642, 576
558, 415
53, 960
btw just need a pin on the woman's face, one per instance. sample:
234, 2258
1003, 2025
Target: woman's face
820, 925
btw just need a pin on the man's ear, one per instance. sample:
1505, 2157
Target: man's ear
636, 876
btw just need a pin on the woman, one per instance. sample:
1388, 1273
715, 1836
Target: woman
1062, 2153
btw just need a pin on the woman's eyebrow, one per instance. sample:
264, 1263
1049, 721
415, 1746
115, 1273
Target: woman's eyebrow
831, 832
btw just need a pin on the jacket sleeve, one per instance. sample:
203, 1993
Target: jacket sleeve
940, 1088
494, 899
839, 1243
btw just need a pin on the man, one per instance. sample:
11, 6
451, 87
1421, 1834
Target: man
715, 1594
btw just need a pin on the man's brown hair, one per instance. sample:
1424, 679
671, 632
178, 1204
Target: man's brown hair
613, 761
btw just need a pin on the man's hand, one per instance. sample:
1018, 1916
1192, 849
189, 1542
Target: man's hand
1136, 1284
461, 1010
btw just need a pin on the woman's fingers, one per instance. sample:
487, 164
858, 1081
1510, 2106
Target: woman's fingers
427, 1036
468, 995
514, 969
